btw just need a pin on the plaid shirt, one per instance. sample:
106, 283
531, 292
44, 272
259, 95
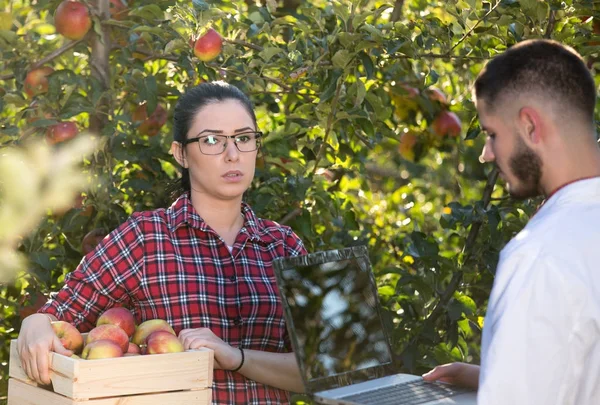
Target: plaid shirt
170, 264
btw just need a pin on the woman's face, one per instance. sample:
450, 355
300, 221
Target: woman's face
226, 175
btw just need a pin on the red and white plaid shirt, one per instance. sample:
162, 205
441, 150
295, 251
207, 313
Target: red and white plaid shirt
169, 264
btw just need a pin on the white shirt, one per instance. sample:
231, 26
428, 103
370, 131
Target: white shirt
541, 336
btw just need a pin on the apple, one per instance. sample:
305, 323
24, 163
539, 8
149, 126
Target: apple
118, 9
411, 92
119, 316
61, 132
146, 328
133, 349
447, 124
92, 239
408, 141
208, 46
101, 349
163, 342
72, 19
109, 332
36, 81
436, 94
149, 125
29, 304
69, 336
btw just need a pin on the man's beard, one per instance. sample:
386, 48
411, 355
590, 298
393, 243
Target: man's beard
526, 166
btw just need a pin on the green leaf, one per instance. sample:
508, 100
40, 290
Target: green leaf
200, 5
149, 12
267, 53
341, 58
44, 29
419, 245
367, 63
361, 92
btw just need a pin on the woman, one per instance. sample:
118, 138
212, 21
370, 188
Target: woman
203, 265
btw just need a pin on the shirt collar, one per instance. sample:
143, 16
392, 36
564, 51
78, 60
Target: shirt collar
585, 189
182, 213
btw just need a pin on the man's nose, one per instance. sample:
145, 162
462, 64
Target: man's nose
487, 154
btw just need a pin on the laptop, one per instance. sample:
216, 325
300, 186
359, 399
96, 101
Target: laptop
334, 321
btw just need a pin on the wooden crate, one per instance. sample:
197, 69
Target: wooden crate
173, 378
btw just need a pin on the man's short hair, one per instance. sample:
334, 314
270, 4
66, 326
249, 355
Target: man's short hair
540, 68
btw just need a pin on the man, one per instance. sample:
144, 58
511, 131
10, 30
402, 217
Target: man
541, 337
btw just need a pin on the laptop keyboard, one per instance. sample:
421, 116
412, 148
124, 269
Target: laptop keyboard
410, 393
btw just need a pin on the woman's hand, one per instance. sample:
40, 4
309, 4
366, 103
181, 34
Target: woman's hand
463, 374
36, 340
226, 356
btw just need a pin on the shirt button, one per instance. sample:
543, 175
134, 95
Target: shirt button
233, 278
237, 320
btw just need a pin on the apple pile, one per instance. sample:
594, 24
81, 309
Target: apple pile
116, 335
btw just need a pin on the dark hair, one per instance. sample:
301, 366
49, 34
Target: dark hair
190, 103
541, 67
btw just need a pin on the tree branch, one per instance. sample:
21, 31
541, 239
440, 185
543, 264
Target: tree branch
397, 13
52, 55
454, 283
237, 72
99, 63
474, 26
290, 215
330, 118
551, 24
244, 44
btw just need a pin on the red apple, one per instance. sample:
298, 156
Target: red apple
29, 304
133, 349
119, 316
101, 349
163, 342
72, 19
150, 125
436, 94
92, 239
146, 328
118, 9
36, 81
109, 332
61, 132
69, 336
447, 124
208, 46
411, 92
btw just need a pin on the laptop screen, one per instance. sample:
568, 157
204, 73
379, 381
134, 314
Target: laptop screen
331, 299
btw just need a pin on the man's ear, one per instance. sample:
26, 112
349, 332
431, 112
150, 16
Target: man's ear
532, 125
178, 153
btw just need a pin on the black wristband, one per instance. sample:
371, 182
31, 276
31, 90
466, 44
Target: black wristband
241, 363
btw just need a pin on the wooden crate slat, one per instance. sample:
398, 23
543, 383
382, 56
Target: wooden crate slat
142, 374
21, 393
77, 378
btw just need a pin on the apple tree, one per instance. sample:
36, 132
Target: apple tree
372, 136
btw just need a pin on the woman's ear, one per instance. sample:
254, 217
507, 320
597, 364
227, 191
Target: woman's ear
178, 153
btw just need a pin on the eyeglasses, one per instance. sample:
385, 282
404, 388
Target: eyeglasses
216, 144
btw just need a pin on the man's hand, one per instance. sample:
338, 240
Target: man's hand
462, 374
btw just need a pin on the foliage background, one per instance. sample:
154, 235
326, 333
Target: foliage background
333, 83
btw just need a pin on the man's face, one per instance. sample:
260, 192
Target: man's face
518, 164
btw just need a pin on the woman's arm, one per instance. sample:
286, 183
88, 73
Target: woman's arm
278, 370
